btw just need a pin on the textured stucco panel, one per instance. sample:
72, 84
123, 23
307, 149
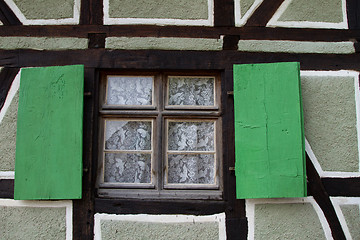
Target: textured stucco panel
296, 47
287, 221
330, 121
352, 218
314, 11
46, 9
168, 9
245, 6
32, 223
8, 136
43, 43
116, 230
164, 43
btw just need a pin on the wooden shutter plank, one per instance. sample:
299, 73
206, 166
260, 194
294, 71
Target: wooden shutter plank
269, 138
49, 133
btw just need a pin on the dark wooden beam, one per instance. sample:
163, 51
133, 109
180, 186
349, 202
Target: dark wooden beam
231, 42
97, 40
245, 33
7, 188
236, 228
317, 190
83, 217
236, 222
346, 187
353, 14
264, 12
224, 13
91, 12
7, 76
132, 206
157, 59
7, 16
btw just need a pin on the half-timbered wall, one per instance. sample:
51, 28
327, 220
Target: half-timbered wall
196, 35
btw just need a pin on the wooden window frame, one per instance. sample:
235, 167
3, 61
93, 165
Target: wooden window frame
161, 113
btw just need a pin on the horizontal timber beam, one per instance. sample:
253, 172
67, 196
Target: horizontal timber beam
347, 187
245, 33
131, 206
162, 59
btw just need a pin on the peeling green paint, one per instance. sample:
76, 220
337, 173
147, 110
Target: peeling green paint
168, 9
352, 218
46, 9
330, 121
113, 230
43, 43
8, 136
287, 221
245, 6
164, 43
314, 11
296, 47
32, 223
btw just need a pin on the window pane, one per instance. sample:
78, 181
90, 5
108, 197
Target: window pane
198, 91
128, 135
123, 90
191, 168
127, 168
191, 136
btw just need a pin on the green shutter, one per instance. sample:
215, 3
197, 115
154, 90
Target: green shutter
269, 132
49, 133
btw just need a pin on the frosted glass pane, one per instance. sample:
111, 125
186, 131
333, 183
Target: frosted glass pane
123, 90
191, 136
198, 91
127, 168
128, 135
191, 168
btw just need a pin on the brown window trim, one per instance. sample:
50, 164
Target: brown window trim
161, 113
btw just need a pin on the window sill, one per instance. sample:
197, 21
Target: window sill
158, 195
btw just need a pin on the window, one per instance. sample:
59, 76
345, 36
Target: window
160, 135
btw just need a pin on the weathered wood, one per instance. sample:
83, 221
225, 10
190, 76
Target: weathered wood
91, 12
236, 228
130, 206
231, 42
317, 190
157, 59
7, 76
264, 12
7, 17
83, 216
346, 187
236, 207
269, 131
7, 188
245, 33
224, 13
97, 40
353, 13
49, 133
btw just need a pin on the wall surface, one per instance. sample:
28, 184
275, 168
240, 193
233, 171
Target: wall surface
121, 230
35, 220
8, 136
46, 9
330, 121
206, 35
182, 9
159, 226
287, 221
